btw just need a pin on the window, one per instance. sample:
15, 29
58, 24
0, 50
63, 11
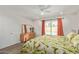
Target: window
51, 27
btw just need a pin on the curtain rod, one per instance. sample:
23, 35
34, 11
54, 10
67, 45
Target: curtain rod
51, 19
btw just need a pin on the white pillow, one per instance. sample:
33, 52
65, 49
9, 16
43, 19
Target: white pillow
75, 40
71, 35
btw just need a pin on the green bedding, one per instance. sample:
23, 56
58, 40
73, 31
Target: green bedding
52, 45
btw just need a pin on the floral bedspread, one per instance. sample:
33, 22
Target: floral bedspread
68, 44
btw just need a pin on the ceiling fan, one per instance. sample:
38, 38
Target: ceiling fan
44, 9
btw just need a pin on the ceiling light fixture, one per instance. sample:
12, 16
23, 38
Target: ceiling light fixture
61, 13
42, 13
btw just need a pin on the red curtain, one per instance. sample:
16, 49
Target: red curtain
60, 27
43, 27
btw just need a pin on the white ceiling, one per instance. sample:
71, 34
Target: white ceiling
34, 11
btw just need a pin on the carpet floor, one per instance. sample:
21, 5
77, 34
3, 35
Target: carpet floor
13, 49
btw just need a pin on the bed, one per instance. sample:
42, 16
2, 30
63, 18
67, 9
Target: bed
46, 44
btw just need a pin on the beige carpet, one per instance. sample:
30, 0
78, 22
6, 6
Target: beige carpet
13, 49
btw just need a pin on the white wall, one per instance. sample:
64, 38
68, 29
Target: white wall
38, 27
69, 22
10, 30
